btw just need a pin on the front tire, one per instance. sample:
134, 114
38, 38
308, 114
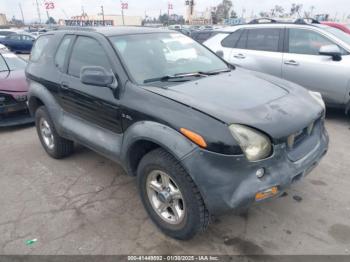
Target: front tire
170, 196
55, 145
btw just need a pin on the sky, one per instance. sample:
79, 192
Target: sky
152, 8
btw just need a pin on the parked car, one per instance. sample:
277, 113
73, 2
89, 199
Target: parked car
202, 36
315, 56
3, 48
18, 43
343, 27
13, 91
201, 137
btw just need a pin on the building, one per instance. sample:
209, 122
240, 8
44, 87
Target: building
97, 20
189, 11
3, 20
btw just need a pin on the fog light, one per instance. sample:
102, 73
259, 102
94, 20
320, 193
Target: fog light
266, 194
260, 173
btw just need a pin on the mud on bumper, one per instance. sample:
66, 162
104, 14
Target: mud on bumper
230, 182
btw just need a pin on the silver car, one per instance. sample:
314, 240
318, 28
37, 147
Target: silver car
312, 55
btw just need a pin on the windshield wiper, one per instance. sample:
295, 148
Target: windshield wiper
179, 77
215, 72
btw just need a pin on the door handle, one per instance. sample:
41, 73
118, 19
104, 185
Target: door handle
291, 62
239, 56
64, 85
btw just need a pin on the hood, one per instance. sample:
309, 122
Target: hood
270, 104
13, 81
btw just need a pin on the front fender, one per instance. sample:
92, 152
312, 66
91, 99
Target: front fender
164, 136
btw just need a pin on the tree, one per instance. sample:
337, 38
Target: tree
264, 14
223, 10
233, 14
296, 9
51, 21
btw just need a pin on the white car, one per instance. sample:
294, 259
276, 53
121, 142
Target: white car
3, 48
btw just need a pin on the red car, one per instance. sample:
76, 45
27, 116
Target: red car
13, 91
340, 26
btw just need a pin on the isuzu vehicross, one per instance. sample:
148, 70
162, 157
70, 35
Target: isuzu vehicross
201, 137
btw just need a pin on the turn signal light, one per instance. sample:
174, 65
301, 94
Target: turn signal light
194, 137
266, 194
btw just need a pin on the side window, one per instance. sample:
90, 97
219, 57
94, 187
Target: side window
27, 38
61, 53
14, 37
3, 66
242, 42
265, 39
231, 40
39, 47
303, 41
87, 52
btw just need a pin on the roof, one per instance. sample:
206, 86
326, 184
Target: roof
119, 30
267, 25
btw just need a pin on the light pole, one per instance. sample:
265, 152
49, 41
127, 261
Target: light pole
103, 15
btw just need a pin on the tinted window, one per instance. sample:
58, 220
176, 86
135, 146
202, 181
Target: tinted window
263, 39
242, 42
27, 38
14, 37
62, 51
39, 47
5, 33
232, 39
87, 52
302, 41
3, 66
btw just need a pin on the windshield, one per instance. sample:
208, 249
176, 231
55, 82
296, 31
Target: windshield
339, 34
14, 62
152, 56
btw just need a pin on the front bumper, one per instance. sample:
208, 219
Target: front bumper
15, 114
230, 182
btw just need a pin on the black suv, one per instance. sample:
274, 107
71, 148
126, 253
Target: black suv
201, 137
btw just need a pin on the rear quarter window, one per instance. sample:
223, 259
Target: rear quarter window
39, 47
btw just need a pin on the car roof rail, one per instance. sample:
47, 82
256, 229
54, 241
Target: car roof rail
75, 28
258, 20
306, 21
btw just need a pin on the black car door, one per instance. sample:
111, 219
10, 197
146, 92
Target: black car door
95, 104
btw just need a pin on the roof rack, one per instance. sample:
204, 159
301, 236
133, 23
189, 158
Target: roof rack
258, 20
304, 21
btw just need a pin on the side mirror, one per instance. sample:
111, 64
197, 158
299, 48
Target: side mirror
331, 50
220, 53
96, 76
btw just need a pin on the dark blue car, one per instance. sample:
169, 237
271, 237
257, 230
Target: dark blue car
18, 43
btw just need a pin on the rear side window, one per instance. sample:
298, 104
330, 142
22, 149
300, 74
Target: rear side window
265, 39
231, 40
87, 52
39, 47
61, 53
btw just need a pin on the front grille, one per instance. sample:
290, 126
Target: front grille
6, 100
296, 138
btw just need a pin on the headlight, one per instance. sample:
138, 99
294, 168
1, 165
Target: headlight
318, 97
254, 144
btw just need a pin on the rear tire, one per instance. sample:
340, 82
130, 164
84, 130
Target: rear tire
193, 217
55, 145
